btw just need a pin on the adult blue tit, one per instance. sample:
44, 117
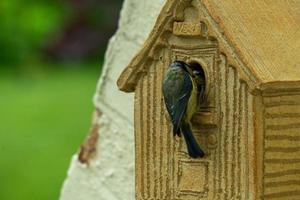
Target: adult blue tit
181, 98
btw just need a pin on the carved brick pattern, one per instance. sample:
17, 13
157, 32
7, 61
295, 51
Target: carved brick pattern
282, 147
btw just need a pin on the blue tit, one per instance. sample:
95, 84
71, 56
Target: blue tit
180, 93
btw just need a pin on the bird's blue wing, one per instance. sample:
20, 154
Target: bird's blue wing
177, 90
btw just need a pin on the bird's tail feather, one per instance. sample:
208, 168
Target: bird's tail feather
176, 131
193, 147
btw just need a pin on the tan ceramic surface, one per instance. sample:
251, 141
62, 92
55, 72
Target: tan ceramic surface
249, 125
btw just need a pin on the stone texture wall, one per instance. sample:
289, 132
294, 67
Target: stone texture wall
110, 174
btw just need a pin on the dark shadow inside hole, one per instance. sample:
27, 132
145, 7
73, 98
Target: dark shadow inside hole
196, 66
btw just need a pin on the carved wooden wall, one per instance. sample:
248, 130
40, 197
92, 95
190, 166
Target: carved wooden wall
164, 171
235, 161
155, 148
249, 129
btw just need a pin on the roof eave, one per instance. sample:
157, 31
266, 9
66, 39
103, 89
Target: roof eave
129, 77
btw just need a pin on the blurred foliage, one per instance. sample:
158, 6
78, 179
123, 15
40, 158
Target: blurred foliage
45, 115
50, 59
31, 31
25, 26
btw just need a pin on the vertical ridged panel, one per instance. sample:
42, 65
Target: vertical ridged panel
155, 149
151, 132
233, 158
145, 136
237, 115
221, 141
229, 132
138, 115
251, 146
158, 136
243, 143
164, 145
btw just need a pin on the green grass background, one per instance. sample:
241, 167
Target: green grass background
44, 116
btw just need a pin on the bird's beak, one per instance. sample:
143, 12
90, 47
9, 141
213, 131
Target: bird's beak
190, 71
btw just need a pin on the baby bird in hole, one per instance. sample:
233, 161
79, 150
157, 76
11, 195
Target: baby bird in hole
183, 90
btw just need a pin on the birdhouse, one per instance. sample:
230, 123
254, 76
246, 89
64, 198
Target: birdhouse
249, 124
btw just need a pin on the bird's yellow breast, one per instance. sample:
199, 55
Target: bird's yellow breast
192, 103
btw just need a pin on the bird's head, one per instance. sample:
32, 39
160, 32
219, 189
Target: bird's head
178, 63
182, 65
199, 76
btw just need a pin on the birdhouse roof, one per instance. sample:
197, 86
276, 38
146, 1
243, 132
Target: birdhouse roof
264, 36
